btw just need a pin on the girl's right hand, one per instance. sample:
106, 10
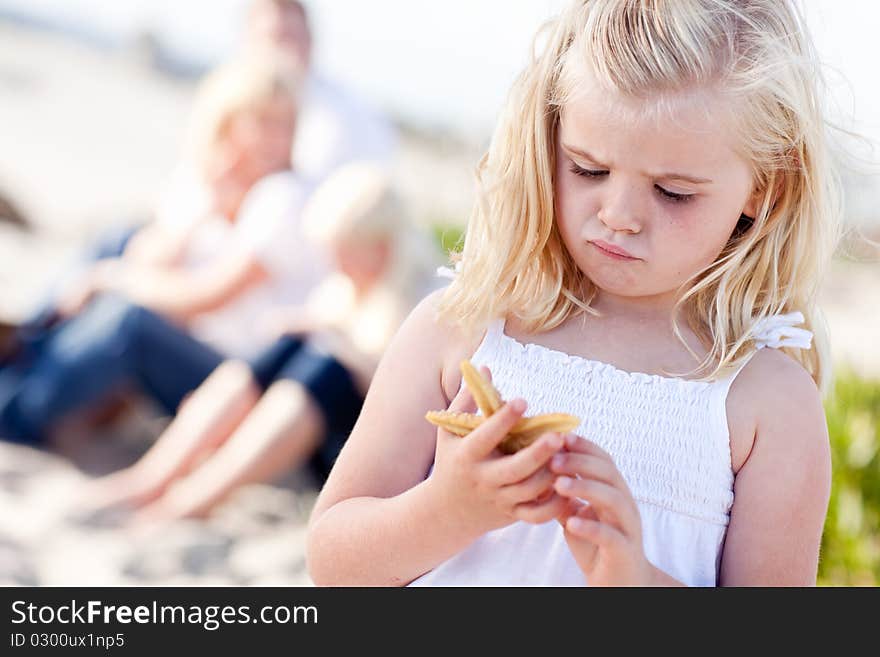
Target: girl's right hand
483, 489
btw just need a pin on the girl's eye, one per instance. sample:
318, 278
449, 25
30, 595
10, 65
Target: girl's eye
587, 173
672, 196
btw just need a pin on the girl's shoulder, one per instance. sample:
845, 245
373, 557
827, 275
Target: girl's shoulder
775, 399
426, 334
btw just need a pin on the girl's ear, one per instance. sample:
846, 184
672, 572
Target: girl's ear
750, 209
756, 199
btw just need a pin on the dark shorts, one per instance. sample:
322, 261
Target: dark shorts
327, 381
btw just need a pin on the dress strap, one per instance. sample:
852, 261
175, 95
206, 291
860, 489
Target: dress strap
775, 331
779, 331
449, 272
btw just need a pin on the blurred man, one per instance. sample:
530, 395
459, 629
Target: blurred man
334, 126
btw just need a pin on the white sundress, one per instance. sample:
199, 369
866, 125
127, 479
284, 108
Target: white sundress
668, 437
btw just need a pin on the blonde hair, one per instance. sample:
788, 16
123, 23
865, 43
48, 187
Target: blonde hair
358, 203
244, 84
756, 53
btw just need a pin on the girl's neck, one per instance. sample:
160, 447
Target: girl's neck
643, 309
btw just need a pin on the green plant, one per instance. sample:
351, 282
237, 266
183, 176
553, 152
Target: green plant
448, 236
851, 541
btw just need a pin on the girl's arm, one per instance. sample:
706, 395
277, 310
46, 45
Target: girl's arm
373, 515
783, 487
378, 520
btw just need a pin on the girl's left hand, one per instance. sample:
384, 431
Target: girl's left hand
602, 525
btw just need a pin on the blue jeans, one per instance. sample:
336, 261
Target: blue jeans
329, 384
112, 344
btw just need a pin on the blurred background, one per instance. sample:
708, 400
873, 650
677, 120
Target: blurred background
95, 99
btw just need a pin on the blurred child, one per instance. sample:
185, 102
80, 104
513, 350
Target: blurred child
303, 395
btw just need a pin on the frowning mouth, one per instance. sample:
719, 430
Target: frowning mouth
612, 251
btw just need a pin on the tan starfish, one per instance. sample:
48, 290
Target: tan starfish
488, 400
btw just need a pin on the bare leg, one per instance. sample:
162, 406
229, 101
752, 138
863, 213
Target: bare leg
281, 432
204, 421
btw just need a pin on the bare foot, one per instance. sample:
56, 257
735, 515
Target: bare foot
176, 504
129, 488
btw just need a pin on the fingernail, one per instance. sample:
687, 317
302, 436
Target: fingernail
571, 440
554, 441
576, 524
518, 405
564, 483
558, 461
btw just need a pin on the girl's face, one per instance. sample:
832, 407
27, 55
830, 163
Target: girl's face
644, 200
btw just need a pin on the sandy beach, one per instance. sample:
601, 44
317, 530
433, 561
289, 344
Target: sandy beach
88, 140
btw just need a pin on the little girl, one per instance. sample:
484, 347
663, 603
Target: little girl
656, 207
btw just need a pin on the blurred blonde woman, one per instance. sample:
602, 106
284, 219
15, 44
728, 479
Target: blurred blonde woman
251, 421
179, 298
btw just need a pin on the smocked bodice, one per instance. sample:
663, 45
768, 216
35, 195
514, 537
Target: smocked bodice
668, 437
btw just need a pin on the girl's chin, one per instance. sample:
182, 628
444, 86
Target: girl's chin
615, 281
629, 288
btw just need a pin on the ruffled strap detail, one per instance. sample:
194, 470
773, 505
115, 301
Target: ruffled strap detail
449, 272
779, 331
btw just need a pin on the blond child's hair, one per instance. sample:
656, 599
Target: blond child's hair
359, 203
244, 84
756, 53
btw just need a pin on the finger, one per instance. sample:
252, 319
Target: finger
589, 467
609, 502
598, 533
517, 467
530, 489
576, 507
539, 512
575, 443
580, 445
573, 505
586, 511
484, 439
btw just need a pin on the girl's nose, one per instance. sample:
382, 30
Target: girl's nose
620, 210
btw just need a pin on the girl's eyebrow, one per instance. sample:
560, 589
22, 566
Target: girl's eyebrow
664, 176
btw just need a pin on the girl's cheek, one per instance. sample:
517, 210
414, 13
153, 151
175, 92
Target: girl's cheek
578, 202
679, 217
685, 229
